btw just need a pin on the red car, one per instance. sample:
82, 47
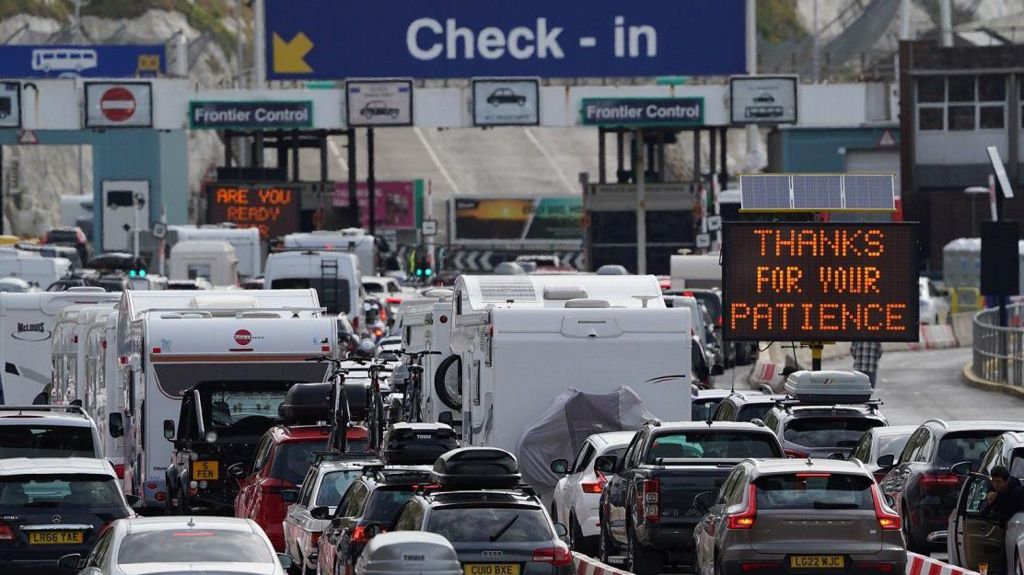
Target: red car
282, 459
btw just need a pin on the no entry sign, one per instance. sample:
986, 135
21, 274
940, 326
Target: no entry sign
125, 104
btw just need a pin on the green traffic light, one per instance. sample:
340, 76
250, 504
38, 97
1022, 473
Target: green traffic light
428, 271
131, 273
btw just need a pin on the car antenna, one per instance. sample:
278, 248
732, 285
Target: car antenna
191, 522
809, 462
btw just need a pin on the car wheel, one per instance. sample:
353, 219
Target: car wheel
640, 560
908, 534
579, 543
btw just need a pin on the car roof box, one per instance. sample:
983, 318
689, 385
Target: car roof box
477, 468
417, 444
829, 387
307, 403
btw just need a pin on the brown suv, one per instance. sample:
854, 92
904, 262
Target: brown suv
786, 515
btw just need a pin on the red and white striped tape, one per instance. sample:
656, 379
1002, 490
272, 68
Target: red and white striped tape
583, 565
921, 565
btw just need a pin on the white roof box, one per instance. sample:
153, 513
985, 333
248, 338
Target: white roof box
829, 387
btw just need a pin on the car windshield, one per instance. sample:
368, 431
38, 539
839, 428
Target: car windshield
490, 525
814, 491
333, 292
373, 287
292, 460
59, 491
194, 545
223, 409
964, 446
385, 502
716, 445
333, 486
45, 441
828, 431
892, 444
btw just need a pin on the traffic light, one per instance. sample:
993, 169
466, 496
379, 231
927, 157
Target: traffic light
423, 267
136, 273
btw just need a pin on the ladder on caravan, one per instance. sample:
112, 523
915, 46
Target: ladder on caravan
329, 290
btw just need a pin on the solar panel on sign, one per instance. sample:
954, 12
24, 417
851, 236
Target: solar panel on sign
764, 192
817, 192
870, 192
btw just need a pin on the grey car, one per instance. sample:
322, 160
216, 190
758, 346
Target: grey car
878, 448
805, 516
821, 431
494, 532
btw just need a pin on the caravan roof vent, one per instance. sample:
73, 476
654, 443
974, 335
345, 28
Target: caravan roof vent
564, 292
86, 289
587, 303
224, 302
259, 315
477, 468
829, 387
500, 289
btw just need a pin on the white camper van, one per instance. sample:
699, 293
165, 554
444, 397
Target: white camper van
351, 240
70, 353
424, 326
26, 330
213, 260
35, 269
334, 275
246, 242
203, 334
520, 341
696, 271
104, 391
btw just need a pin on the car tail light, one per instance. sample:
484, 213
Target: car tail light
650, 496
314, 539
359, 534
749, 567
160, 496
596, 486
878, 567
559, 555
6, 533
745, 518
119, 470
939, 481
887, 519
394, 300
796, 454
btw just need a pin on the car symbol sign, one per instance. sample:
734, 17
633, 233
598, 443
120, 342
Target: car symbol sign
117, 104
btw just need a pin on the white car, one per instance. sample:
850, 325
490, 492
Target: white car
315, 504
160, 545
934, 307
577, 496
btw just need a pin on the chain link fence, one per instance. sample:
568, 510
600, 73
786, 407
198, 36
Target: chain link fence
999, 351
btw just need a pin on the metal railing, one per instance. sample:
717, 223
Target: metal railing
999, 351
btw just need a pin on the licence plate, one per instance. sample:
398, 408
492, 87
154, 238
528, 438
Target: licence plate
56, 537
490, 569
817, 562
205, 470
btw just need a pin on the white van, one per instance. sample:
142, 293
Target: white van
146, 453
351, 240
213, 260
246, 242
520, 341
27, 321
696, 271
334, 275
35, 269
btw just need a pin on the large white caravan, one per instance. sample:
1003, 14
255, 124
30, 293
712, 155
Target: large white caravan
246, 242
214, 260
520, 341
103, 392
70, 355
424, 326
26, 330
336, 277
35, 269
168, 341
696, 271
351, 240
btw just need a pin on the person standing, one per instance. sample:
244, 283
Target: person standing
866, 355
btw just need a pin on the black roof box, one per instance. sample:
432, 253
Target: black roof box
417, 443
307, 403
477, 468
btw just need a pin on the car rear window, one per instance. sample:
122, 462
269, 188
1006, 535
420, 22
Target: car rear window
703, 408
814, 491
59, 491
193, 545
828, 431
705, 445
964, 446
754, 411
489, 525
333, 486
45, 441
292, 460
385, 502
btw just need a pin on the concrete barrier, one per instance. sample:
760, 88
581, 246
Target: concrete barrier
963, 328
921, 565
583, 565
938, 336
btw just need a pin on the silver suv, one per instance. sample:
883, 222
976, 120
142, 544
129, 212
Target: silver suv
786, 515
48, 431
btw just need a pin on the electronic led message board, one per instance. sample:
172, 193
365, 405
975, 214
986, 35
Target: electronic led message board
819, 282
273, 208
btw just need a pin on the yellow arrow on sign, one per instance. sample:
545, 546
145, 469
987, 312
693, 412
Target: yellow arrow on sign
288, 56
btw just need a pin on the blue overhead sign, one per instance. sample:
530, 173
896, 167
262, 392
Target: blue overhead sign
336, 39
112, 61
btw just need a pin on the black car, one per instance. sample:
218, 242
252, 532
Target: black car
368, 506
378, 108
922, 481
73, 237
53, 507
506, 96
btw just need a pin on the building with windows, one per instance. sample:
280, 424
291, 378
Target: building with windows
955, 102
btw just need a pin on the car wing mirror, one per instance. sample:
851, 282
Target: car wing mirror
135, 502
837, 456
717, 369
886, 461
560, 466
72, 561
702, 501
561, 531
606, 464
320, 513
286, 561
115, 425
962, 469
289, 495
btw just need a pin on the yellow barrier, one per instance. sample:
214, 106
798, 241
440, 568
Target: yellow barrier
965, 299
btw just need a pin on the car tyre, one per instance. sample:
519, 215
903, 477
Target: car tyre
908, 534
640, 560
579, 543
604, 546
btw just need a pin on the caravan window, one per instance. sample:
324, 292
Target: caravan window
196, 271
333, 294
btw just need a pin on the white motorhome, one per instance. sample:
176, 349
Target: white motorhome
35, 269
27, 321
520, 341
104, 392
351, 240
69, 350
334, 275
196, 335
213, 260
424, 325
246, 242
696, 271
